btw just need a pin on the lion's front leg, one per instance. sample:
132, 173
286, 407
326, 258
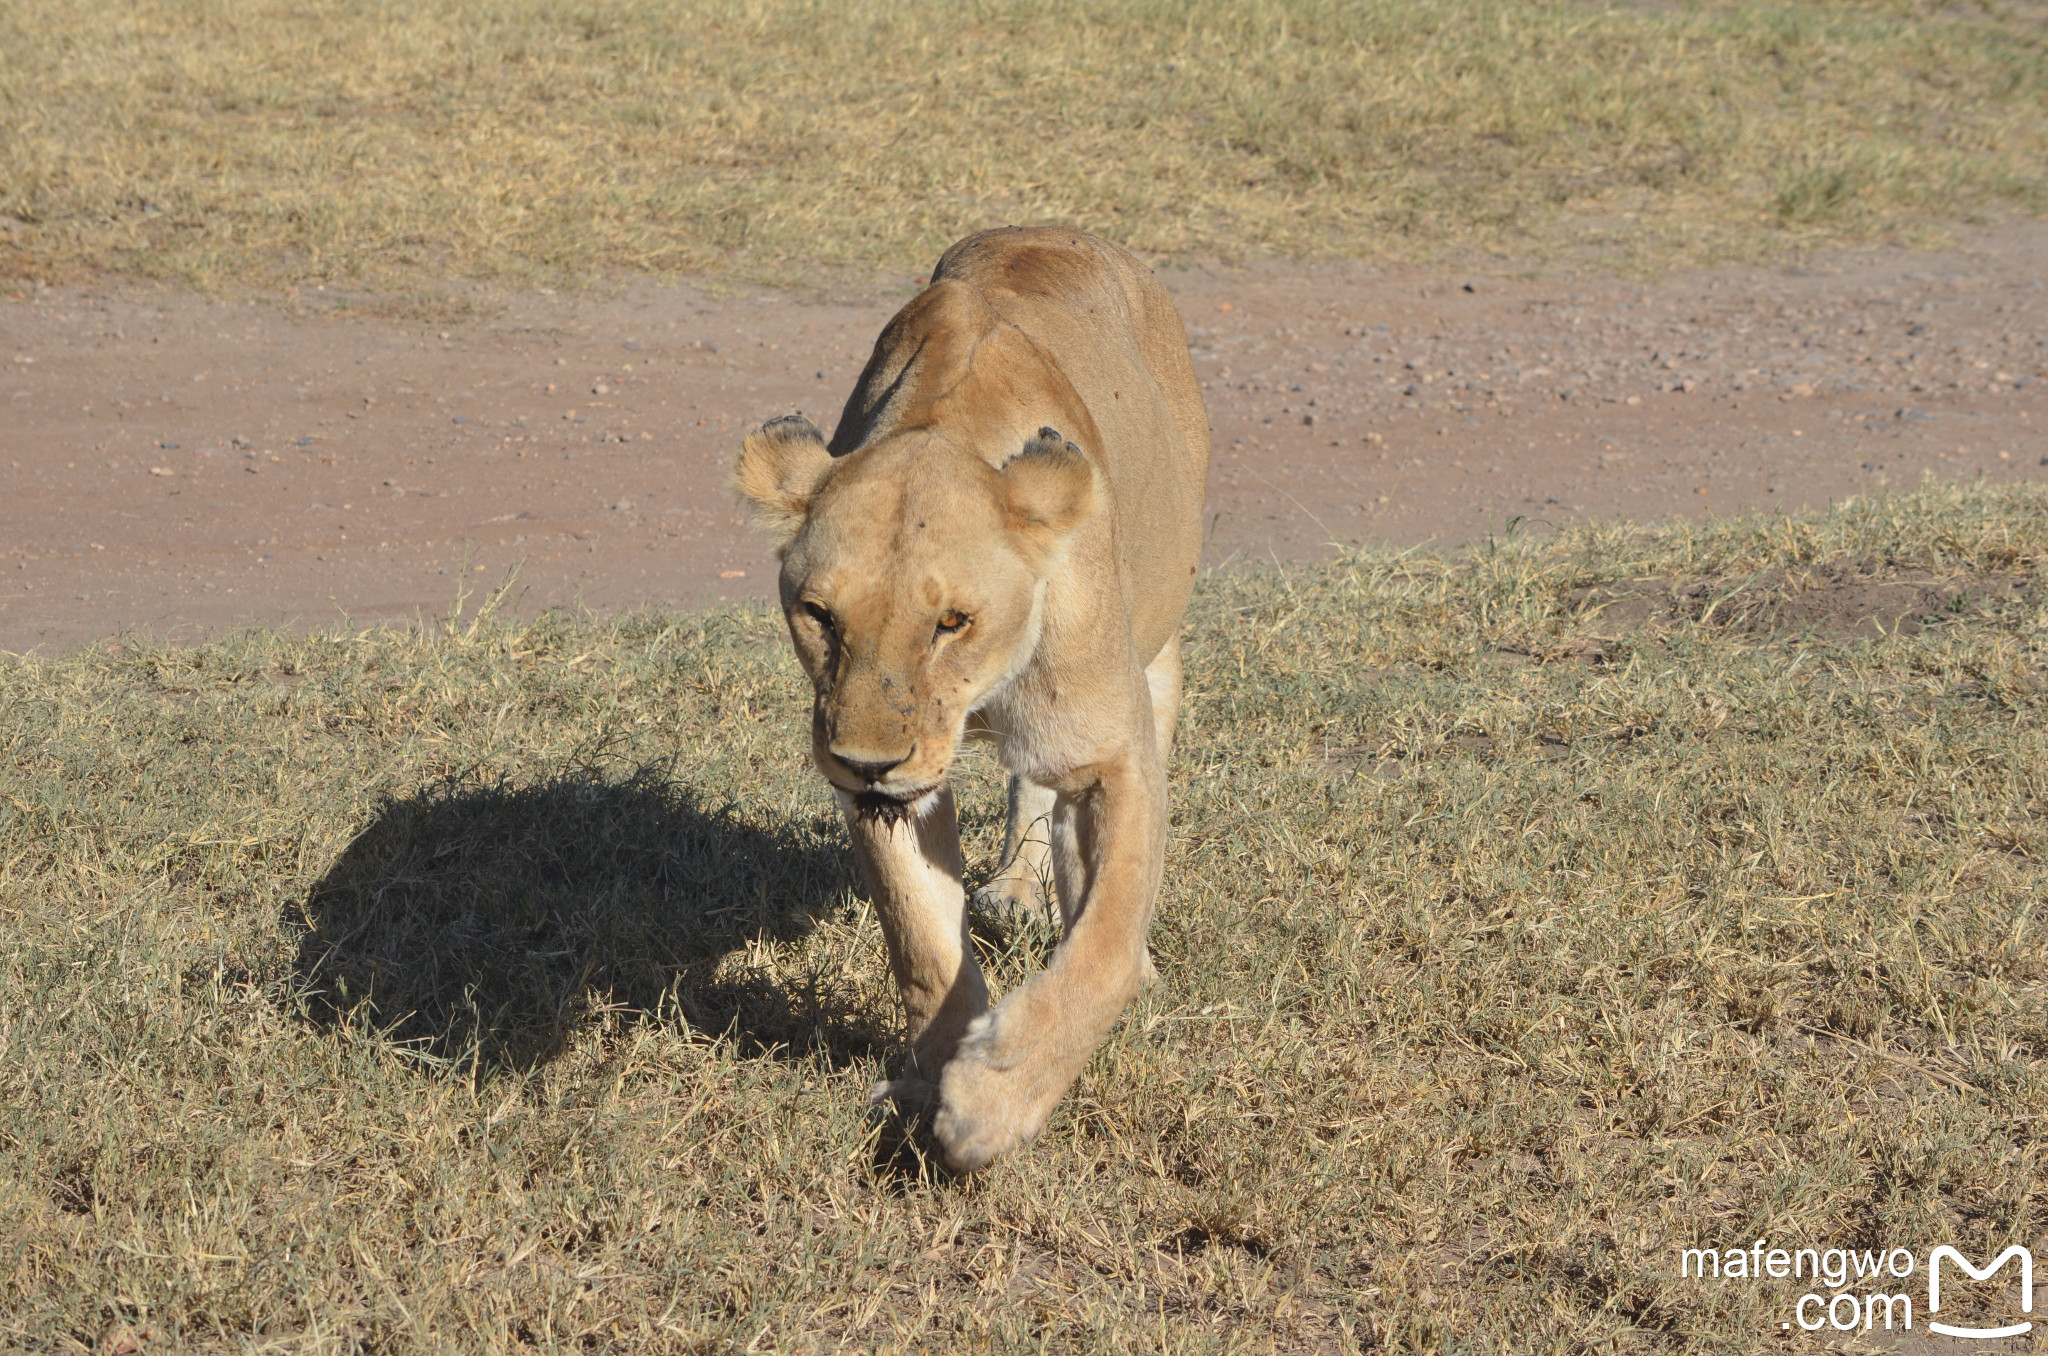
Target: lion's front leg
1016, 1062
912, 866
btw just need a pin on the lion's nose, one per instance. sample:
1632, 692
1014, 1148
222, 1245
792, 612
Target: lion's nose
872, 772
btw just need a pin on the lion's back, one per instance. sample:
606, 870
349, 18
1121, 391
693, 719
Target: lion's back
1106, 321
1053, 271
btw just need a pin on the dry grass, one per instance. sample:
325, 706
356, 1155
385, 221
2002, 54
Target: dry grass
506, 987
340, 140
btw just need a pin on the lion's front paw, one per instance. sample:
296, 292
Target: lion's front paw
977, 1119
988, 1104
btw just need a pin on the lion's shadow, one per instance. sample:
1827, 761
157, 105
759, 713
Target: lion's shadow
488, 923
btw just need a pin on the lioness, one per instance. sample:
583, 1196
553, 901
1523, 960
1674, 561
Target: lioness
1000, 540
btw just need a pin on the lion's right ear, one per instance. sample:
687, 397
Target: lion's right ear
1050, 488
781, 465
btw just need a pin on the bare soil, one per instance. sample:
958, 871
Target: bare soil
181, 465
1863, 597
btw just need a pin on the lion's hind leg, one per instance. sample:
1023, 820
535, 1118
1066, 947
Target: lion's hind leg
1023, 888
1162, 682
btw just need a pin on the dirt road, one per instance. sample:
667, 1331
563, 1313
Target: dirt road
183, 465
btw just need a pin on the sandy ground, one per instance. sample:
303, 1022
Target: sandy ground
182, 466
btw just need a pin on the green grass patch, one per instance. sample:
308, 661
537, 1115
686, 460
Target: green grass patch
505, 984
344, 141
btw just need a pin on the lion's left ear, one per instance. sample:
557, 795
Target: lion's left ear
1050, 488
781, 465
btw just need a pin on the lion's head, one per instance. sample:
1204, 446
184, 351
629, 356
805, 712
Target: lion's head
913, 579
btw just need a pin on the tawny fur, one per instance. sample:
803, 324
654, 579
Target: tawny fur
1000, 540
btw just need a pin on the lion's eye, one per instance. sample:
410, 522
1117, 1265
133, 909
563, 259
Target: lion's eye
952, 622
819, 615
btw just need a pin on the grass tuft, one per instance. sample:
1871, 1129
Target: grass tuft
506, 983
